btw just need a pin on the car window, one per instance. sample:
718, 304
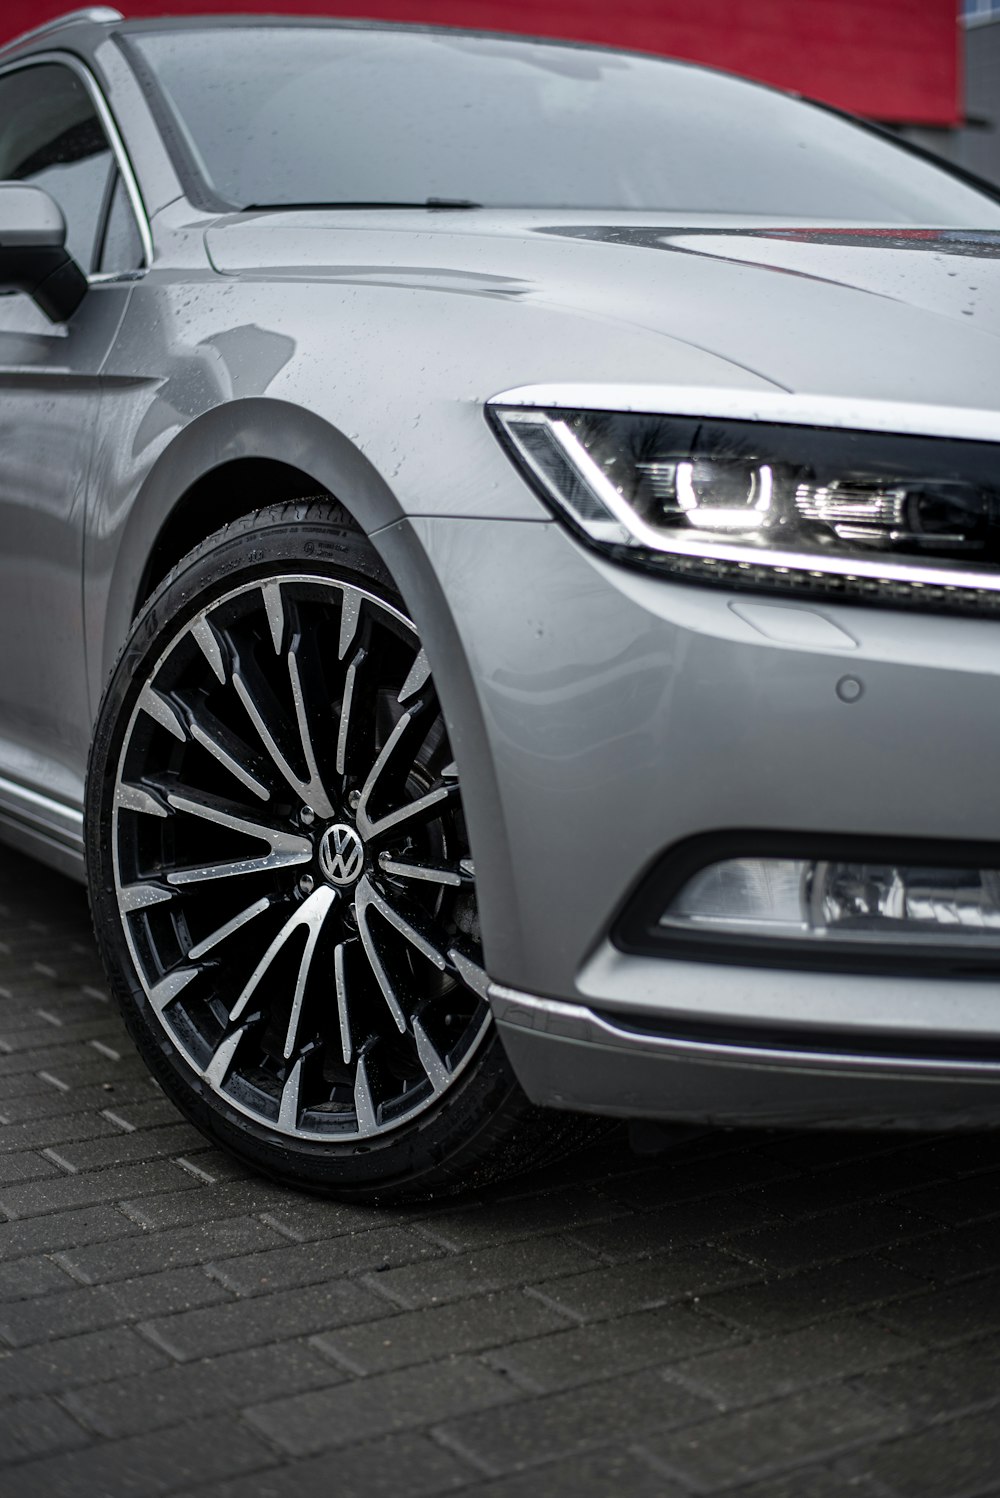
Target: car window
121, 249
281, 114
51, 137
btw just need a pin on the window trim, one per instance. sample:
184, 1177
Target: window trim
117, 145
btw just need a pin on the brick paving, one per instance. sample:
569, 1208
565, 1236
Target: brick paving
765, 1315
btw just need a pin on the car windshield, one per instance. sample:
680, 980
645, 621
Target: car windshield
280, 115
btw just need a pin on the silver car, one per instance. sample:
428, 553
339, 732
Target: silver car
515, 530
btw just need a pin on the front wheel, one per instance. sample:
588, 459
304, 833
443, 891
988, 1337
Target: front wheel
281, 879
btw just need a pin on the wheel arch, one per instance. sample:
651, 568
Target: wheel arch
225, 464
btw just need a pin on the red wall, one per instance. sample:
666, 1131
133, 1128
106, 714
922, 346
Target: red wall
894, 60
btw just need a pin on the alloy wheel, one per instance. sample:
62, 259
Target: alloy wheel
291, 862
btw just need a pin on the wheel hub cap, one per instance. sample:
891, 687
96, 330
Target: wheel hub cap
341, 855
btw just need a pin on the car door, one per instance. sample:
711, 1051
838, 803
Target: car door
56, 133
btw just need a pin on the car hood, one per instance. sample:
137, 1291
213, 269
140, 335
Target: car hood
885, 313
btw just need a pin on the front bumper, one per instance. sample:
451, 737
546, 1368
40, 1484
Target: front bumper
600, 716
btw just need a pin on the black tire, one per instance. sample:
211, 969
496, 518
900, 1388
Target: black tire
205, 1028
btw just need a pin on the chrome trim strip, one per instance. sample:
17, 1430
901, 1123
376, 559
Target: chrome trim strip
34, 809
575, 1022
67, 60
780, 406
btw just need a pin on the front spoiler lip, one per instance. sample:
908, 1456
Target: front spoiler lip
559, 1020
570, 1057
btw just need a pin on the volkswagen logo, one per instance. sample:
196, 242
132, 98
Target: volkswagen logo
341, 854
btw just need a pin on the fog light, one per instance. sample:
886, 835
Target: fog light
843, 902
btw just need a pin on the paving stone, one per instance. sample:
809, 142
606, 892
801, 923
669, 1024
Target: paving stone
72, 1361
776, 1305
776, 1366
947, 1315
267, 1318
306, 1219
146, 1252
102, 1026
145, 1465
835, 1235
386, 1468
145, 1114
387, 1403
91, 1307
126, 1407
961, 1253
953, 1202
87, 1190
37, 1427
25, 1166
670, 1184
564, 1424
736, 1447
486, 1269
599, 1474
945, 1461
601, 1293
64, 1061
958, 1154
122, 1149
63, 1229
47, 1133
674, 1227
842, 1185
45, 1101
439, 1331
35, 1276
810, 1482
486, 1224
583, 1354
282, 1268
185, 1205
941, 1382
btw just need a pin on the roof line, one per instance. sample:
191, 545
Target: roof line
94, 14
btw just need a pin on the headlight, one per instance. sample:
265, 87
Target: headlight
908, 519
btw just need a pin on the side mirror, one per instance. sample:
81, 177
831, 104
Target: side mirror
33, 254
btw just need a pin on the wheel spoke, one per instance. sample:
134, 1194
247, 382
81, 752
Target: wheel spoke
346, 711
217, 1070
162, 712
350, 620
142, 896
207, 639
423, 807
438, 1074
314, 927
367, 896
310, 791
236, 924
340, 981
164, 992
429, 873
317, 797
137, 798
286, 849
419, 676
311, 913
226, 756
288, 1108
364, 1105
